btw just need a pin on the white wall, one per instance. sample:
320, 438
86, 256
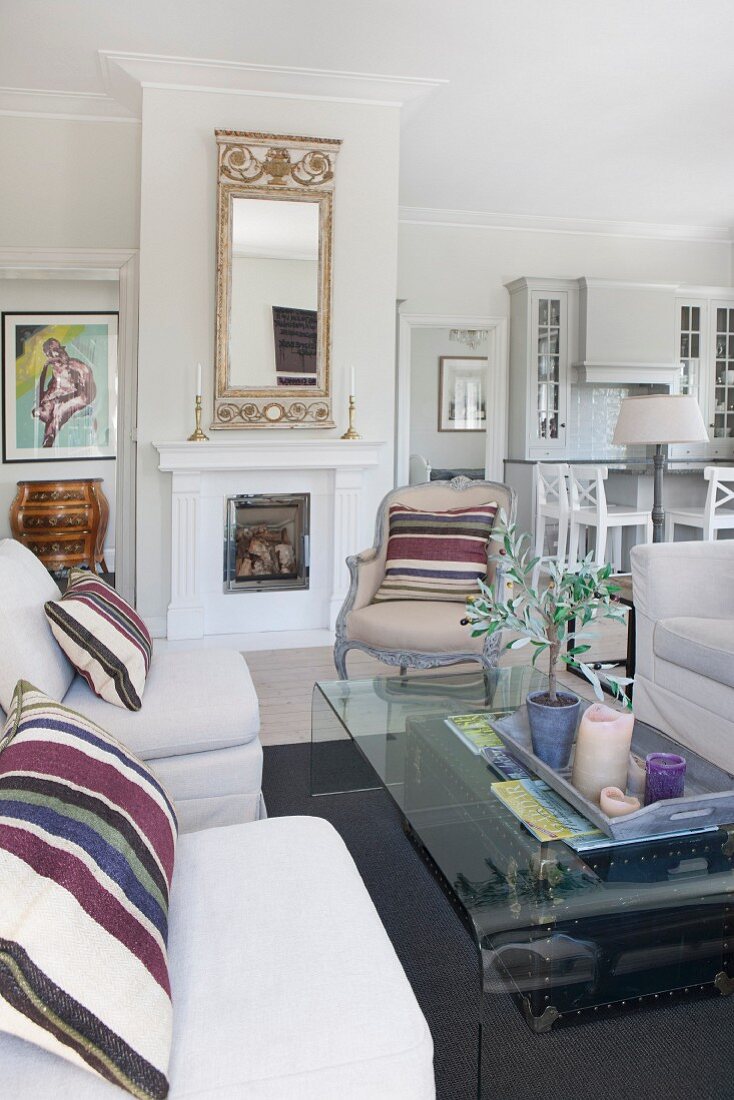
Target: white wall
177, 273
55, 294
69, 183
455, 270
442, 449
258, 284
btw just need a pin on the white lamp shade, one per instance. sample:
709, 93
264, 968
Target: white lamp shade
660, 418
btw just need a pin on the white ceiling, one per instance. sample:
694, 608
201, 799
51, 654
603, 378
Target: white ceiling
604, 109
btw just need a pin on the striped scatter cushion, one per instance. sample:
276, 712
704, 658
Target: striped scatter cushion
87, 842
103, 637
436, 555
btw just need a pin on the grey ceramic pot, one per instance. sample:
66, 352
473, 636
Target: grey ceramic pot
553, 729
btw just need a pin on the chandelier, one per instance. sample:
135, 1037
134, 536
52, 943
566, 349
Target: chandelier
472, 337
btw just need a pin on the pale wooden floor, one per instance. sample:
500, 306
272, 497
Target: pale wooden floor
284, 679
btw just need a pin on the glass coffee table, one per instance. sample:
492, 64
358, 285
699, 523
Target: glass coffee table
567, 934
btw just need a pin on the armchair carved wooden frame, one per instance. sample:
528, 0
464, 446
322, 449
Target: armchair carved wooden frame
367, 571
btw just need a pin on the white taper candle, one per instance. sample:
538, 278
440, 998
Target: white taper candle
353, 383
198, 379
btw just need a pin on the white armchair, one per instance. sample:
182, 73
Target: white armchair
419, 471
415, 633
684, 677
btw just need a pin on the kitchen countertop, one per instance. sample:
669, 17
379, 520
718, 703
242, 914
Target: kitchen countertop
642, 466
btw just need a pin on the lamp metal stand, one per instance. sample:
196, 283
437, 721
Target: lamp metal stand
658, 515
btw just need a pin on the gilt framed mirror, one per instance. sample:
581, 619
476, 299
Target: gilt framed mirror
274, 264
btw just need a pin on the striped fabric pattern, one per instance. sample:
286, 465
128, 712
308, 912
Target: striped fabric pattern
87, 844
103, 637
436, 555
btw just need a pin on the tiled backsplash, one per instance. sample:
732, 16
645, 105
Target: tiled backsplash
592, 417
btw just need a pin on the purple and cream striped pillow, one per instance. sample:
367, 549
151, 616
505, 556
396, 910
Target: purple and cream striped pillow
87, 845
104, 638
436, 555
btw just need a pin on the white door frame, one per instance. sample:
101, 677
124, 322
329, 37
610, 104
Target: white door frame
120, 265
497, 386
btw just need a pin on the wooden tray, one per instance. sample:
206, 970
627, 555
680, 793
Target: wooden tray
709, 791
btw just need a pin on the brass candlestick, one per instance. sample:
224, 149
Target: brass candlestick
351, 432
197, 436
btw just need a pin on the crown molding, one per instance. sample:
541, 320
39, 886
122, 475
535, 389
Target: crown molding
62, 263
43, 103
126, 74
540, 282
701, 291
472, 219
592, 282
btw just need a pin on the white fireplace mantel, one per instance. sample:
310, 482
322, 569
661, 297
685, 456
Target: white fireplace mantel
204, 474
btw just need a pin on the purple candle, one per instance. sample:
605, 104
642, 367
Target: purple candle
665, 775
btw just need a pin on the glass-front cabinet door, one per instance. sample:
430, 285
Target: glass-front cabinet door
691, 337
705, 344
721, 403
548, 368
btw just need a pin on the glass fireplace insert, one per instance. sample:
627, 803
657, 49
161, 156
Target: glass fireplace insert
266, 542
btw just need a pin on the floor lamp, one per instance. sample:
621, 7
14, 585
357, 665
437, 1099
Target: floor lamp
660, 418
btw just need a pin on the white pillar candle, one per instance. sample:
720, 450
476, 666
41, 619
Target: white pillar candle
353, 383
602, 750
615, 803
198, 379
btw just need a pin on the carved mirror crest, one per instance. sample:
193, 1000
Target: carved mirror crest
274, 245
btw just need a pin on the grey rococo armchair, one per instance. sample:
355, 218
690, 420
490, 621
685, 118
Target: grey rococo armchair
415, 633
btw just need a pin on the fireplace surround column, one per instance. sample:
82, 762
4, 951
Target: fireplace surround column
186, 610
348, 483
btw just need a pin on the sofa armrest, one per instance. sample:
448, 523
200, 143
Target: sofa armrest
684, 579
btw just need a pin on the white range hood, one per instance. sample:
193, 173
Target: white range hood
626, 333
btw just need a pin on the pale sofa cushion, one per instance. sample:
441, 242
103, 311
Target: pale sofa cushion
28, 649
285, 984
195, 701
705, 646
423, 626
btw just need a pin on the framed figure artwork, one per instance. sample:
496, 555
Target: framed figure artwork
462, 394
59, 382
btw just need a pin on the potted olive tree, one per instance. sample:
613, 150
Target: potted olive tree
552, 621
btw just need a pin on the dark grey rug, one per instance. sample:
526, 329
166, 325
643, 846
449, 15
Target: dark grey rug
680, 1052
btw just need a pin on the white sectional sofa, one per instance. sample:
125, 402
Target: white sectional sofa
199, 723
285, 984
684, 679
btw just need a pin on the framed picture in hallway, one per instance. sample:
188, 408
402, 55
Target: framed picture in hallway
462, 394
59, 386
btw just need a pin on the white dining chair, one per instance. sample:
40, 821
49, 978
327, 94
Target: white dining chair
589, 508
717, 513
551, 503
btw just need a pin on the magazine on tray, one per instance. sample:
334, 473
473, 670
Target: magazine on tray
505, 764
476, 730
549, 817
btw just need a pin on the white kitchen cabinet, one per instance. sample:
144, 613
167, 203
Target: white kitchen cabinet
542, 336
705, 345
618, 335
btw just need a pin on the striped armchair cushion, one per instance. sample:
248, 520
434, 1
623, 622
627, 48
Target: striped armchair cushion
436, 555
103, 637
87, 843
